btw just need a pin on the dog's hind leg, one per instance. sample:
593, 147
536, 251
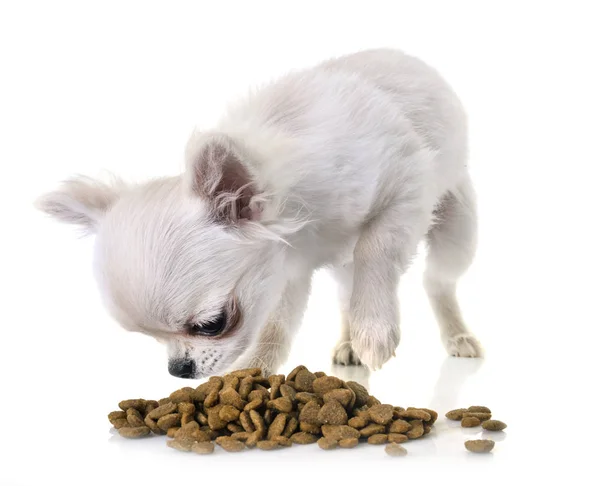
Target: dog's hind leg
343, 353
452, 240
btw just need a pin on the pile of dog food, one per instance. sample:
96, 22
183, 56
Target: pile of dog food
475, 416
244, 409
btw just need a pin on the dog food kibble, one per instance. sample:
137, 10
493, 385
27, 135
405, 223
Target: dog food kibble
495, 425
327, 443
479, 446
348, 443
395, 450
470, 422
244, 409
456, 414
479, 409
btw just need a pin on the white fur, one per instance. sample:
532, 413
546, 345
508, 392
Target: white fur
349, 164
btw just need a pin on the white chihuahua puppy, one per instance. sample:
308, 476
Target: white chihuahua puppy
349, 165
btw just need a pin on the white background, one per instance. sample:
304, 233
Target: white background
86, 86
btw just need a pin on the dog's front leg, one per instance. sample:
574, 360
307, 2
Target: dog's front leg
275, 340
382, 253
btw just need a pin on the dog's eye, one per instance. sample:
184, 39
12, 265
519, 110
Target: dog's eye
210, 328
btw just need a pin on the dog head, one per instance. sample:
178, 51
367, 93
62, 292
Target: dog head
190, 260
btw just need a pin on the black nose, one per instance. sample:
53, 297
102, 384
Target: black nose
182, 368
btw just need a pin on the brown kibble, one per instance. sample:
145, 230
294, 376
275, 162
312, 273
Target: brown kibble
134, 418
180, 396
291, 427
150, 405
283, 441
397, 438
415, 413
229, 413
241, 436
199, 394
201, 418
326, 384
118, 423
381, 414
358, 422
180, 446
253, 439
134, 432
247, 372
432, 413
231, 381
303, 438
416, 429
168, 421
214, 420
245, 387
305, 397
339, 432
377, 439
310, 428
478, 409
362, 395
186, 407
203, 447
348, 443
151, 424
395, 450
268, 416
211, 399
470, 422
310, 413
399, 426
456, 414
277, 426
258, 422
372, 401
261, 394
246, 422
482, 416
372, 429
138, 403
332, 413
304, 381
327, 444
172, 431
494, 425
344, 396
267, 445
253, 405
162, 410
234, 427
479, 446
294, 372
119, 414
287, 391
228, 396
281, 404
229, 444
275, 381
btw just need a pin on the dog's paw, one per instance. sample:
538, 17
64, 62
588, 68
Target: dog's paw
343, 354
374, 346
463, 346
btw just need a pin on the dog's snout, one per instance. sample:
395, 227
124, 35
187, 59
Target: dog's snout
182, 368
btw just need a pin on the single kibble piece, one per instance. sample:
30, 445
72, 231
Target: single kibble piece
377, 439
362, 395
397, 438
118, 415
310, 413
494, 425
277, 426
304, 381
229, 413
180, 396
327, 444
281, 404
287, 391
172, 431
479, 446
344, 396
246, 422
326, 384
138, 403
456, 414
283, 441
161, 411
395, 450
399, 427
291, 427
228, 396
134, 418
470, 422
310, 428
339, 432
168, 421
182, 446
358, 422
267, 445
203, 447
303, 438
479, 409
348, 443
332, 413
294, 372
372, 429
417, 429
247, 372
230, 445
381, 414
134, 432
415, 413
480, 415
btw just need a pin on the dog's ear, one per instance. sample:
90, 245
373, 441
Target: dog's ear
215, 171
82, 201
